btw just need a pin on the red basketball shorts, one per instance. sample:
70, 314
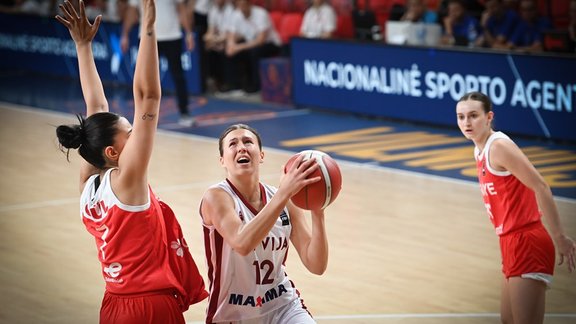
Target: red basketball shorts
528, 252
148, 308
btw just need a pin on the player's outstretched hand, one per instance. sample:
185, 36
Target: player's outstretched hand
81, 30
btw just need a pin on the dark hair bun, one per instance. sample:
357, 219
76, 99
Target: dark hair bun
70, 137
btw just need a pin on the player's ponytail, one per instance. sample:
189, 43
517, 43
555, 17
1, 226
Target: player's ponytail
71, 136
91, 136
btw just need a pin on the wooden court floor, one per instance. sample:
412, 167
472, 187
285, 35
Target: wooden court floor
405, 248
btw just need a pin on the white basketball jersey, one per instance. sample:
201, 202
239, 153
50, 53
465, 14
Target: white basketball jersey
245, 287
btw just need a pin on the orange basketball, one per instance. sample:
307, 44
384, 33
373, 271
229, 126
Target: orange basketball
322, 193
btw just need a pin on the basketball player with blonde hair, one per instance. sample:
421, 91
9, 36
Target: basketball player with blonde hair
247, 229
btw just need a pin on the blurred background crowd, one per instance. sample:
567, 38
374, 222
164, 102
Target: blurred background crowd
235, 34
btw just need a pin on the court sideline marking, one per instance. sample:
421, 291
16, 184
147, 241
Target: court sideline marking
417, 315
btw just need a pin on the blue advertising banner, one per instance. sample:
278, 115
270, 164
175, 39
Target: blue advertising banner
42, 44
533, 95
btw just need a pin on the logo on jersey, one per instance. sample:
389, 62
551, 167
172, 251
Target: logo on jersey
499, 229
258, 301
483, 168
285, 219
112, 272
488, 189
97, 211
241, 216
275, 243
178, 246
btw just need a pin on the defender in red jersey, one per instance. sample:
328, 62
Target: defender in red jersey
515, 196
149, 272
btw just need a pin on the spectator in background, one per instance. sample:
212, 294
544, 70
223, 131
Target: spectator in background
416, 11
319, 20
215, 41
115, 9
473, 7
498, 24
171, 17
527, 36
252, 37
95, 8
198, 12
111, 10
460, 27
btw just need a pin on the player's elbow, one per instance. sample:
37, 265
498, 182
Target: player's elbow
318, 269
541, 188
149, 94
243, 250
243, 246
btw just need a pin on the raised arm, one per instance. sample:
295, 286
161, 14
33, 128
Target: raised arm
135, 157
82, 32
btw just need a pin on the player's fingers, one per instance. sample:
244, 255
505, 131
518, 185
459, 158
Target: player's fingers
561, 259
63, 21
308, 167
82, 10
71, 9
65, 11
296, 164
307, 164
97, 22
71, 12
312, 180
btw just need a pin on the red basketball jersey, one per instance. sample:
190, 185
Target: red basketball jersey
510, 204
141, 248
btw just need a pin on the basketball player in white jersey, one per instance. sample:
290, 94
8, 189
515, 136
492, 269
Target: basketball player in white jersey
247, 229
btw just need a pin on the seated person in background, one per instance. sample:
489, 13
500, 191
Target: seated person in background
416, 11
319, 20
460, 28
251, 37
498, 24
215, 40
473, 7
527, 36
